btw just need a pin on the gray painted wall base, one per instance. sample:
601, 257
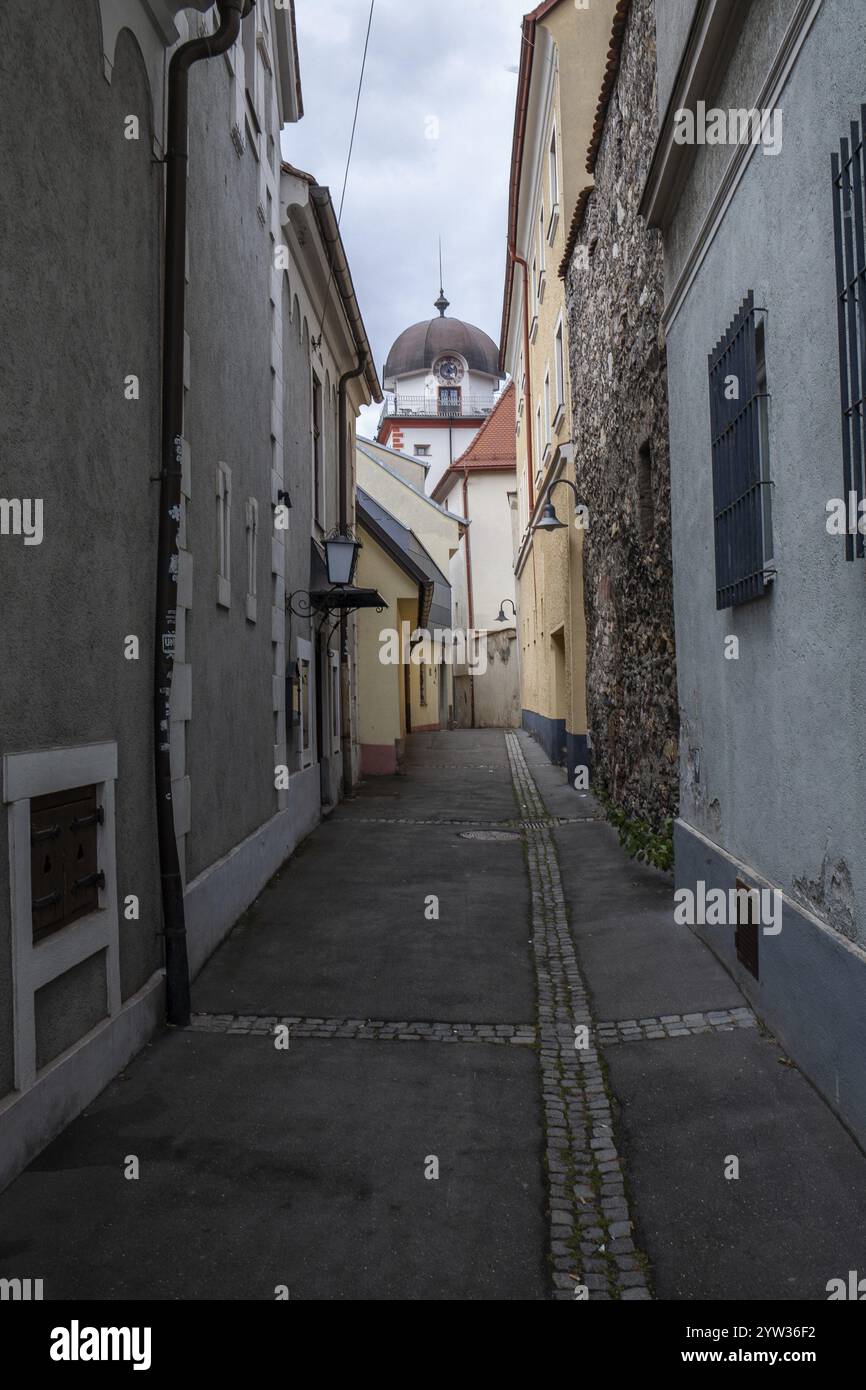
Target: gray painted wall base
812, 982
215, 900
31, 1119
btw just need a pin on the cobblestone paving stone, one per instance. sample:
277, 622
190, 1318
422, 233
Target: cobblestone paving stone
592, 1253
674, 1026
494, 824
591, 1241
520, 1034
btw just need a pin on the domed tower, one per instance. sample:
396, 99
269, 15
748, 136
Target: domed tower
440, 382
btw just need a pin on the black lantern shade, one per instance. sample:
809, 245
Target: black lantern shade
549, 520
341, 558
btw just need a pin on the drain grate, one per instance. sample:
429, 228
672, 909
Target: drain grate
489, 835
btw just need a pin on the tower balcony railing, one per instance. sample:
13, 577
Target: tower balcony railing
468, 407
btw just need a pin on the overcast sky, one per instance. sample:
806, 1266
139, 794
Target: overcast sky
453, 62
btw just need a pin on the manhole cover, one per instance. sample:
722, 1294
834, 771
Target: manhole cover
488, 835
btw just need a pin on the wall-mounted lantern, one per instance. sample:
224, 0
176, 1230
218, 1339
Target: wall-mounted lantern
549, 520
341, 557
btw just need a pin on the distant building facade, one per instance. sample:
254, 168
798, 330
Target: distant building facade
406, 671
441, 380
481, 486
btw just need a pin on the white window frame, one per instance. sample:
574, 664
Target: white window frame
559, 371
320, 502
304, 650
547, 415
25, 776
224, 535
553, 177
250, 33
336, 713
252, 532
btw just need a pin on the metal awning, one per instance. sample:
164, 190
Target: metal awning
336, 600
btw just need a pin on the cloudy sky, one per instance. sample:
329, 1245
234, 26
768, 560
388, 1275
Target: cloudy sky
432, 150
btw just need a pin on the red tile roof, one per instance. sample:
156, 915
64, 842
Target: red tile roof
492, 448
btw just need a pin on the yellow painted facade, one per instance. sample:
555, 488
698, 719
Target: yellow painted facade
438, 531
566, 59
396, 699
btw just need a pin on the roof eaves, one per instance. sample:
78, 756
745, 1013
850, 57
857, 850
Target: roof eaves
400, 553
574, 230
614, 54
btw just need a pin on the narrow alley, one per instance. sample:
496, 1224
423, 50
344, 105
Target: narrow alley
434, 1128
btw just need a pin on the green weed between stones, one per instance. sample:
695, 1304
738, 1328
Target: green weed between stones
639, 839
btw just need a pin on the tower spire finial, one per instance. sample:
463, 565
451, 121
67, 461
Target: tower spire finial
441, 303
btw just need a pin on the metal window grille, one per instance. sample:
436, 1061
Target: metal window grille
849, 226
738, 481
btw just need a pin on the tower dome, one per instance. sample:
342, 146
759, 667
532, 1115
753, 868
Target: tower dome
419, 347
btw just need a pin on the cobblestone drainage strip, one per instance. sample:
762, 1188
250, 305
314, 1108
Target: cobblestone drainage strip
592, 1251
382, 1030
675, 1026
501, 824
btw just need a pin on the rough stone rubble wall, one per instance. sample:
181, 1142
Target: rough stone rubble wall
614, 288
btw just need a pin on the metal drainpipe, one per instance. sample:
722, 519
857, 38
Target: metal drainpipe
470, 598
530, 454
176, 962
345, 693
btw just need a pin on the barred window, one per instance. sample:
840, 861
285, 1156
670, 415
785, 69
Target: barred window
741, 481
849, 225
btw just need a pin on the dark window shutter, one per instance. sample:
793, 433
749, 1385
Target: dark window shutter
747, 931
65, 877
849, 228
738, 485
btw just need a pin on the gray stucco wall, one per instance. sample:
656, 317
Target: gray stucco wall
79, 280
296, 444
739, 87
673, 22
230, 737
775, 733
811, 989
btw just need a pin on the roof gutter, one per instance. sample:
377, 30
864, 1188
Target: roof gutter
323, 208
527, 49
527, 367
470, 598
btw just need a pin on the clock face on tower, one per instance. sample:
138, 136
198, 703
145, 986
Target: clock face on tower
449, 370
